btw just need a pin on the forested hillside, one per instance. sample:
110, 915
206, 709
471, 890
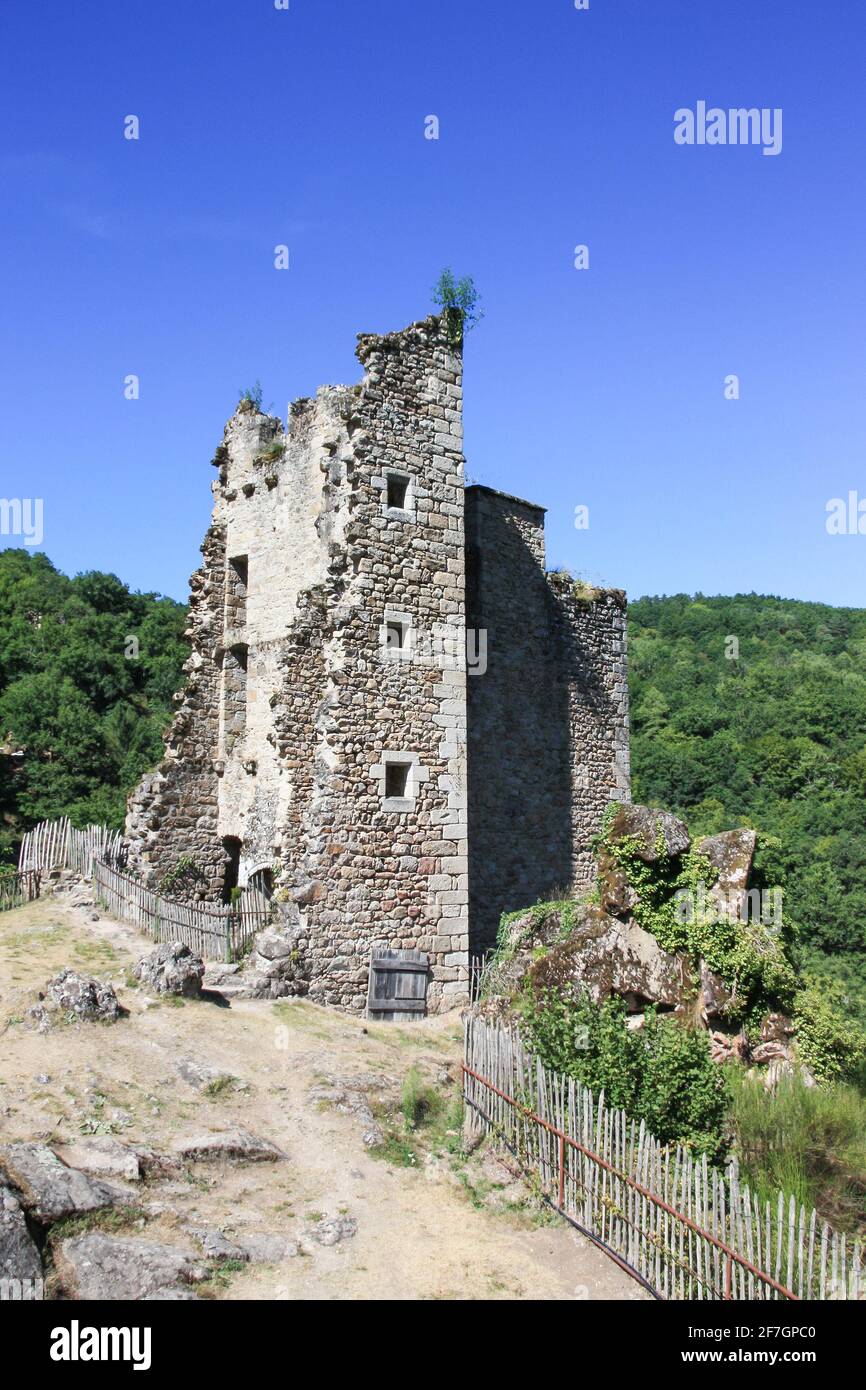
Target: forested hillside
87, 672
752, 711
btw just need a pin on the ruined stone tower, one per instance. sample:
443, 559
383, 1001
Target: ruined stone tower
330, 743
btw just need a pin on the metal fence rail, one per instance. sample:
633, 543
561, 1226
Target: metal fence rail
683, 1228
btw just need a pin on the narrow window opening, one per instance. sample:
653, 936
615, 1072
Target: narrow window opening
235, 664
397, 489
237, 579
396, 634
397, 779
231, 868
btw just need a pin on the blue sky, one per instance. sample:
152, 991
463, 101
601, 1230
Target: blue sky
602, 388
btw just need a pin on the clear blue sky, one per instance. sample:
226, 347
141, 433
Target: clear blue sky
602, 387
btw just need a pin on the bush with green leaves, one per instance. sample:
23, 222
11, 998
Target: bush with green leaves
251, 395
830, 1041
662, 1073
459, 301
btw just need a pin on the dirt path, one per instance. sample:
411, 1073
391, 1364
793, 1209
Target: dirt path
431, 1223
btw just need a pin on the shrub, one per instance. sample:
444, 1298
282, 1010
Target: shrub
831, 1043
253, 394
419, 1101
662, 1074
459, 300
682, 1094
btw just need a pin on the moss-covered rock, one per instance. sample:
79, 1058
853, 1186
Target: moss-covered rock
653, 834
670, 926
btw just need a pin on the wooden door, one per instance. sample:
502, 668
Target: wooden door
397, 992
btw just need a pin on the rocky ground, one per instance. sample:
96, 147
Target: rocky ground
234, 1148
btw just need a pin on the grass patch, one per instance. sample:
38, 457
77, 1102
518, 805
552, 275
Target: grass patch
218, 1087
414, 1036
307, 1018
400, 1152
805, 1140
97, 955
35, 936
110, 1220
220, 1278
429, 1121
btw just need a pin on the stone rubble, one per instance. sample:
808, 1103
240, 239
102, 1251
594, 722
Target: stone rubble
172, 968
72, 997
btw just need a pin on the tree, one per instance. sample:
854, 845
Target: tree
82, 709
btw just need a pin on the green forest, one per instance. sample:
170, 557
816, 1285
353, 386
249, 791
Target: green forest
745, 711
751, 711
87, 672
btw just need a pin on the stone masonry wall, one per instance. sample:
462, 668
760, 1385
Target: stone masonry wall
590, 652
173, 812
346, 526
362, 866
547, 719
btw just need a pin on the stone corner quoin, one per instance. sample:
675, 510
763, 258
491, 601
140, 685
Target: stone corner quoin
330, 739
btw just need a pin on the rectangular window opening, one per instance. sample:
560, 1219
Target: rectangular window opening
397, 488
234, 695
240, 566
236, 591
397, 779
396, 635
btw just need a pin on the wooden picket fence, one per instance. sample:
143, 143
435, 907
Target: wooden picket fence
58, 845
213, 931
478, 970
684, 1229
19, 888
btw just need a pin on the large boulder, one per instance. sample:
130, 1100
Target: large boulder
48, 1189
615, 893
98, 1266
605, 956
171, 969
601, 947
715, 995
656, 832
19, 1257
77, 998
277, 966
731, 854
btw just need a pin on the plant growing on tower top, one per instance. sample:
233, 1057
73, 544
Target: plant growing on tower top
459, 300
